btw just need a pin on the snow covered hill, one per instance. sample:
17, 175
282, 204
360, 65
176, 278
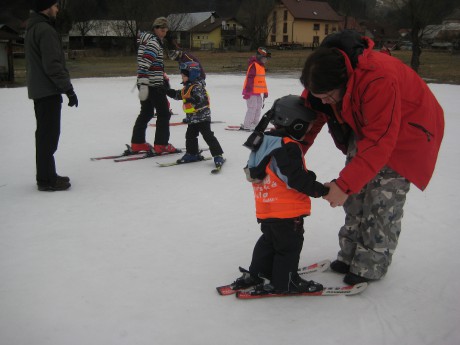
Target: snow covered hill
132, 253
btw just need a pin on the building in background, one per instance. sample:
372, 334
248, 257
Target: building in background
301, 23
217, 33
7, 37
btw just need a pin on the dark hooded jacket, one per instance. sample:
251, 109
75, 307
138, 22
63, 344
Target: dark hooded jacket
47, 74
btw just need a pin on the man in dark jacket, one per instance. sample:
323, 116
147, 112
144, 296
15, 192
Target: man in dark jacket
47, 79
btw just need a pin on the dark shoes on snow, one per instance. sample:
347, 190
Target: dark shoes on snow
339, 267
246, 280
353, 279
219, 161
61, 183
190, 158
296, 286
350, 278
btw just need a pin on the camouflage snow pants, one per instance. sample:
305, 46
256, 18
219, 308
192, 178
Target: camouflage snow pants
372, 226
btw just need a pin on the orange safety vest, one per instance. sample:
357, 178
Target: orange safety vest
274, 199
188, 107
260, 85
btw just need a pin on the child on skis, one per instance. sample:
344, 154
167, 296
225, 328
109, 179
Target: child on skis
254, 88
282, 187
198, 112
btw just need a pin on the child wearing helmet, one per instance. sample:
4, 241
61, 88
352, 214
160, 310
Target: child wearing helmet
197, 109
282, 189
254, 88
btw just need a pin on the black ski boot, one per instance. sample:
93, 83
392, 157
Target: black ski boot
339, 267
299, 285
245, 281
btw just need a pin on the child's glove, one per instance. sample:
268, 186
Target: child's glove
265, 94
248, 176
246, 96
171, 93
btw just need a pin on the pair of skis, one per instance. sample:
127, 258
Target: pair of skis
320, 266
130, 155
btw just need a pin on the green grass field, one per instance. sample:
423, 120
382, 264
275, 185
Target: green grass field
435, 67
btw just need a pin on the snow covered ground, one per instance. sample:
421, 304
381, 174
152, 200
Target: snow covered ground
133, 252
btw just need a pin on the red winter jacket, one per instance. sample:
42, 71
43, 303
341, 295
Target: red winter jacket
395, 117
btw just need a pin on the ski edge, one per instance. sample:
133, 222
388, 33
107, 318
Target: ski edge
319, 266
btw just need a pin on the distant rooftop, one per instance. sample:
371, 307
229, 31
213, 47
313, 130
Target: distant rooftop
186, 21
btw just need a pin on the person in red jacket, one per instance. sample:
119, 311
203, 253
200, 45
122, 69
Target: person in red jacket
384, 117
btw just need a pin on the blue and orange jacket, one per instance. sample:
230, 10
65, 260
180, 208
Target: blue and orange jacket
285, 183
195, 98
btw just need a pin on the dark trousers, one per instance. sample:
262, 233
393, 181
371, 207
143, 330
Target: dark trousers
156, 100
191, 138
48, 115
277, 252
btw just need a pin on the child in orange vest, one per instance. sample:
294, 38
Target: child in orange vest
197, 109
254, 88
282, 190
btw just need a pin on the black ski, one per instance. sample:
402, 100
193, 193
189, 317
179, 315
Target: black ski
127, 152
148, 154
170, 164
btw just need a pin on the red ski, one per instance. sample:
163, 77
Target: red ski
319, 266
347, 290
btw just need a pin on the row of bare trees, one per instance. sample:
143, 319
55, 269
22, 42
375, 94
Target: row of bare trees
253, 14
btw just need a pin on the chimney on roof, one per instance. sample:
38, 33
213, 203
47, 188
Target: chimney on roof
212, 19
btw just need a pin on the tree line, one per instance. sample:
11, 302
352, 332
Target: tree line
252, 14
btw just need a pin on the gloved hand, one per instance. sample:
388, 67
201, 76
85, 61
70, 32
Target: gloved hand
72, 96
246, 96
171, 93
265, 94
143, 88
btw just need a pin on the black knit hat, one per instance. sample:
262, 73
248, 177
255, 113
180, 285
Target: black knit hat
41, 5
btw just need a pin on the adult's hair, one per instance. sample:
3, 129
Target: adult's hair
349, 41
324, 71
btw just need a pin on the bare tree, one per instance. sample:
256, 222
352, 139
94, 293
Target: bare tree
418, 14
82, 13
253, 15
139, 14
353, 8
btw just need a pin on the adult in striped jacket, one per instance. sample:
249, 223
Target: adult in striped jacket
152, 91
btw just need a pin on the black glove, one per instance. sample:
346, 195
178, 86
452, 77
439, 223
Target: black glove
72, 96
171, 93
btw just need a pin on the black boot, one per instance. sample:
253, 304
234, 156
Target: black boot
299, 285
53, 187
245, 281
353, 279
339, 267
63, 178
